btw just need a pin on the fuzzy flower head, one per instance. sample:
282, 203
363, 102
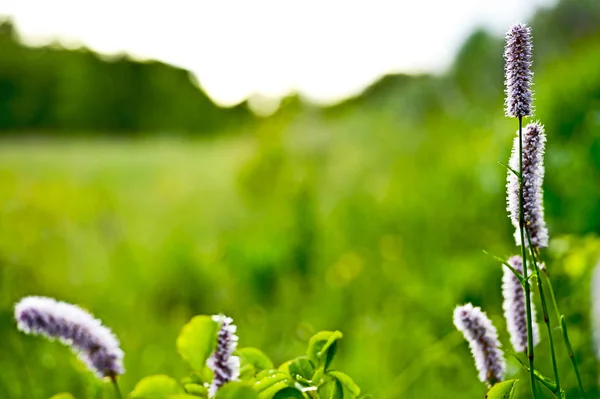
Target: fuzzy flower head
224, 366
483, 340
517, 68
95, 344
534, 143
514, 306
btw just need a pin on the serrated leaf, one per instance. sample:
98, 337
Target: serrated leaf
322, 347
254, 357
300, 366
350, 389
63, 395
289, 393
502, 390
236, 390
197, 341
156, 387
332, 389
270, 382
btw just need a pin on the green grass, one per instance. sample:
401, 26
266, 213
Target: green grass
287, 236
371, 222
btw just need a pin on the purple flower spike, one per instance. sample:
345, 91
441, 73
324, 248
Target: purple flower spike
534, 143
515, 310
95, 344
224, 366
483, 340
517, 56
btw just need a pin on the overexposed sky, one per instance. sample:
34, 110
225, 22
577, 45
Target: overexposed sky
324, 49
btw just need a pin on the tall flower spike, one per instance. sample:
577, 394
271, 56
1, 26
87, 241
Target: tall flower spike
224, 366
483, 340
517, 56
534, 142
95, 344
515, 307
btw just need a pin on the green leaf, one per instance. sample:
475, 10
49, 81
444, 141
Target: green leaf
270, 382
502, 390
196, 389
289, 393
197, 377
350, 389
332, 389
63, 395
300, 366
511, 170
182, 396
255, 357
197, 341
322, 347
236, 390
547, 382
514, 271
156, 387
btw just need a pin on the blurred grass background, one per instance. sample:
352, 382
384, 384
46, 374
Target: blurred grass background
369, 216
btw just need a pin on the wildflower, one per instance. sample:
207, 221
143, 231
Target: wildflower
225, 366
534, 141
483, 340
514, 306
95, 344
517, 56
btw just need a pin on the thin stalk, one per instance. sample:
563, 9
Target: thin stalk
116, 385
544, 310
524, 253
565, 334
571, 355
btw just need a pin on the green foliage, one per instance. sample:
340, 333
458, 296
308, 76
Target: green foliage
236, 390
322, 348
78, 91
368, 217
197, 341
63, 395
258, 379
299, 368
254, 358
156, 387
502, 390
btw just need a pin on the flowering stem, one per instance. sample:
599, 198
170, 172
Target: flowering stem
565, 334
544, 310
524, 253
116, 385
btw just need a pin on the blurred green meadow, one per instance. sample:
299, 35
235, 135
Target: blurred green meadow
368, 217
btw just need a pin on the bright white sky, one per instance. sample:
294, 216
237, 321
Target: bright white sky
323, 49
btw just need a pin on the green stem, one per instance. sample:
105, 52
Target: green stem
116, 385
565, 334
563, 325
544, 310
524, 253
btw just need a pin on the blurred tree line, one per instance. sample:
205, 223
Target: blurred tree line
64, 91
51, 88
